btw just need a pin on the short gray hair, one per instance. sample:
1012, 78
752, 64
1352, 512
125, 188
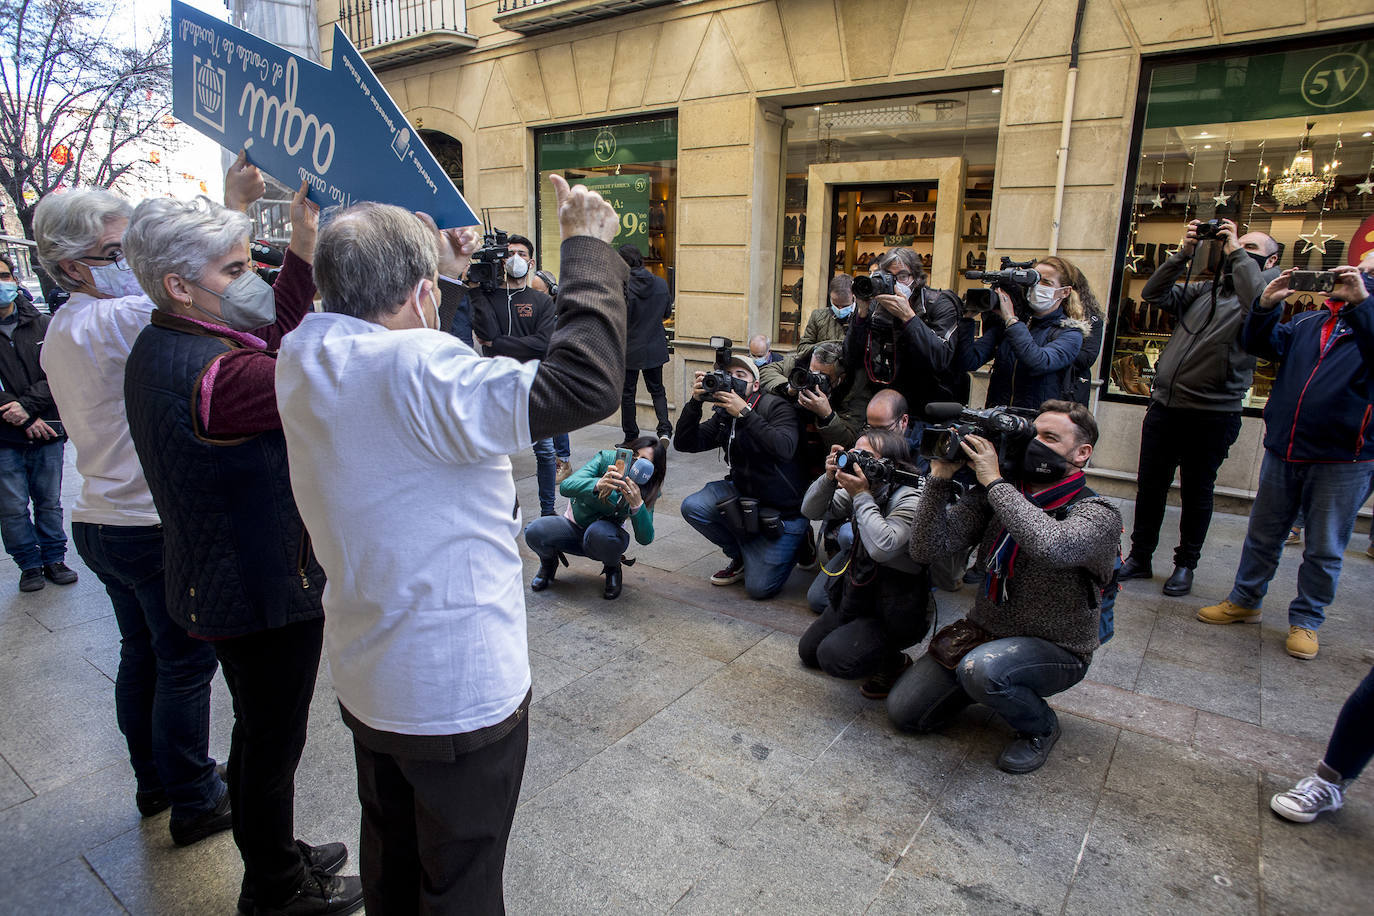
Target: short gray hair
908, 257
180, 237
828, 353
370, 257
69, 223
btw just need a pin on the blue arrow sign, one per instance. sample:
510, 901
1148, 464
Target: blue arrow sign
337, 129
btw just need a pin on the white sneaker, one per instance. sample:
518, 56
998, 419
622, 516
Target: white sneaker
1310, 797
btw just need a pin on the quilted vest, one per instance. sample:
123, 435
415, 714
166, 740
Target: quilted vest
236, 553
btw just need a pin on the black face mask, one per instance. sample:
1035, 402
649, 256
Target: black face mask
1259, 259
1042, 464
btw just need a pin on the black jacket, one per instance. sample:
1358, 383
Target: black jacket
649, 304
925, 370
22, 378
517, 322
761, 449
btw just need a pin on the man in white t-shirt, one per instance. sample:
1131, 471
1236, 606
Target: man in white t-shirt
397, 436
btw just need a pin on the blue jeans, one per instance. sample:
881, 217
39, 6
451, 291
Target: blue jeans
162, 689
562, 447
817, 595
32, 473
1011, 676
554, 534
546, 473
1352, 740
1329, 496
767, 562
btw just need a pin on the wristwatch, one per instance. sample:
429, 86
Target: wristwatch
745, 411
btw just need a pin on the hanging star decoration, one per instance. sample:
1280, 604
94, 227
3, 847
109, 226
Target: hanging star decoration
1316, 239
1366, 186
1157, 201
1221, 197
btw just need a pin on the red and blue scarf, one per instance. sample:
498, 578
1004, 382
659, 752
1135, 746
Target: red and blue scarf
1002, 559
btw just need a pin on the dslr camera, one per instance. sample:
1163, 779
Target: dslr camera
802, 378
1009, 429
719, 380
487, 271
878, 283
1014, 278
877, 470
1209, 229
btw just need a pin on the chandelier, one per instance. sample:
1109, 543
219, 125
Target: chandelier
1300, 183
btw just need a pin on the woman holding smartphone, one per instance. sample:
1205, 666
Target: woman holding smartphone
616, 485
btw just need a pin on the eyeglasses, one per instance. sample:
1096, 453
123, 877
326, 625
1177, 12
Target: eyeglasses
905, 276
890, 427
116, 258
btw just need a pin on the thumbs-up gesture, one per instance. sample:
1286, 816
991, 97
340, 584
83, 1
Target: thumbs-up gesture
584, 212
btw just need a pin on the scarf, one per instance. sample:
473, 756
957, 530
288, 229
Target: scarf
1002, 559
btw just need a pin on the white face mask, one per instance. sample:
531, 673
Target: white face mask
420, 310
903, 290
114, 280
517, 266
1046, 297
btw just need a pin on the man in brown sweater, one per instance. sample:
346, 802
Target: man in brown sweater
1049, 545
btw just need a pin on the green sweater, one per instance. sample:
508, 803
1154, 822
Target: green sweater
587, 507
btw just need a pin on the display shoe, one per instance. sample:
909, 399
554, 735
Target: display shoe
801, 225
927, 224
614, 581
975, 225
1180, 583
544, 578
926, 261
868, 225
1302, 642
842, 225
1229, 612
968, 259
1028, 753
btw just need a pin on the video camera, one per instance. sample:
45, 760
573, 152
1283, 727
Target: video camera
802, 378
1009, 429
719, 380
877, 470
487, 270
1013, 278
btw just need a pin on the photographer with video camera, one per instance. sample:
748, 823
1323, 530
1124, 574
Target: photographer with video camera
1201, 379
902, 333
753, 515
1035, 336
879, 602
1049, 545
1318, 450
512, 318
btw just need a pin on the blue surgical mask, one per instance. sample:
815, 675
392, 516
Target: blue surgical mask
8, 292
841, 313
760, 361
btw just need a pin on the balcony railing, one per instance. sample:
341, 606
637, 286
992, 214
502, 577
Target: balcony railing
530, 17
389, 33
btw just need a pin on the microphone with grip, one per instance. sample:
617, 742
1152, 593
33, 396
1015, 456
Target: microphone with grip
944, 411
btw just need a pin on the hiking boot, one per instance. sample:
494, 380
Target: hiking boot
186, 831
320, 893
564, 470
880, 685
31, 580
1310, 797
59, 573
1229, 612
544, 578
730, 574
327, 857
1302, 642
1294, 537
1028, 753
1131, 568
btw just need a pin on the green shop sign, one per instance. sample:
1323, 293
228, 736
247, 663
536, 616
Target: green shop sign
616, 144
629, 194
1257, 87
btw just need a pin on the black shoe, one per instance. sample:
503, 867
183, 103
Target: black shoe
614, 579
59, 573
544, 578
1133, 569
1028, 753
1180, 583
320, 893
327, 857
31, 580
194, 829
156, 801
880, 685
806, 552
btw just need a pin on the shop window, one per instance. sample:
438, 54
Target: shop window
448, 152
633, 164
1280, 143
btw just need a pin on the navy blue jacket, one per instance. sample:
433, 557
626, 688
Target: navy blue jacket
1033, 358
1320, 405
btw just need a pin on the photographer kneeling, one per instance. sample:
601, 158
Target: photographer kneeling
617, 484
753, 515
879, 602
1049, 545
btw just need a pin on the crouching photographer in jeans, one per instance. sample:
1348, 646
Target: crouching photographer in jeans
879, 603
1049, 545
753, 515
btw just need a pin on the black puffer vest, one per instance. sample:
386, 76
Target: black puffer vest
237, 556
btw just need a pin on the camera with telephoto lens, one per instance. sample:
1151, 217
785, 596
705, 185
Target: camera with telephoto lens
1313, 281
877, 470
487, 269
1013, 278
1209, 229
878, 283
719, 380
802, 378
1009, 429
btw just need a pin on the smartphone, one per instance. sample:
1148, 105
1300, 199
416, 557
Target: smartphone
623, 459
1312, 281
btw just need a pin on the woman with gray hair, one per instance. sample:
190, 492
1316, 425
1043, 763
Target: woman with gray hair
201, 402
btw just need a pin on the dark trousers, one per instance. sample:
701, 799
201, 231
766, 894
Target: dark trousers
1194, 443
848, 648
271, 676
1352, 741
162, 689
653, 380
434, 832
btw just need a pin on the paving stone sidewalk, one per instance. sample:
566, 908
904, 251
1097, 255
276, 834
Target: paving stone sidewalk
682, 760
